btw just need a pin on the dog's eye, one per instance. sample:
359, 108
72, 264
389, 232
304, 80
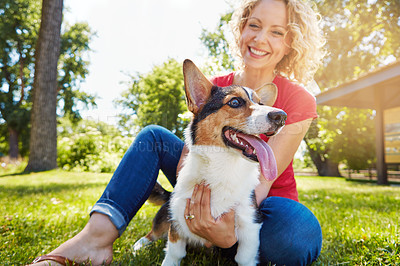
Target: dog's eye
235, 102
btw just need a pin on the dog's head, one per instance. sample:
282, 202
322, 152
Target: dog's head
231, 116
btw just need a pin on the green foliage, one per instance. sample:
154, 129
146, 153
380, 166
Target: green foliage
8, 166
19, 27
303, 165
42, 210
361, 36
19, 24
90, 146
3, 140
343, 135
357, 132
74, 68
155, 98
218, 46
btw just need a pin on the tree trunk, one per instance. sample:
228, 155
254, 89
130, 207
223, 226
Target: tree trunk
43, 140
13, 151
330, 168
325, 167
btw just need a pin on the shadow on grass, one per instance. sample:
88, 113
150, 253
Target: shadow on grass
13, 174
27, 190
373, 182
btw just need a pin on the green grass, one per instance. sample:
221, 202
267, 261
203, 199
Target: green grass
38, 212
360, 221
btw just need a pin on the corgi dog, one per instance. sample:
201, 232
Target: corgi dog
226, 154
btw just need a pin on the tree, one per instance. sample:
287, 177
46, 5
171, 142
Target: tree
218, 45
341, 135
18, 28
74, 69
361, 36
358, 133
43, 142
19, 25
320, 140
155, 98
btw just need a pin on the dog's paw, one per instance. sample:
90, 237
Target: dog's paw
243, 260
141, 243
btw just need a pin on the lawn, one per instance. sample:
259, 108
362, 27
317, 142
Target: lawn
39, 211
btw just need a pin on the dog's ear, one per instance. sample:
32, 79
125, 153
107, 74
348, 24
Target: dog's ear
267, 93
197, 86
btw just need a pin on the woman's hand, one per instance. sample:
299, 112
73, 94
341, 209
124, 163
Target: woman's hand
220, 231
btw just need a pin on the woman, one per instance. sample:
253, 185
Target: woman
275, 40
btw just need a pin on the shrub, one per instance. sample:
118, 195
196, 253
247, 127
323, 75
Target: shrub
90, 146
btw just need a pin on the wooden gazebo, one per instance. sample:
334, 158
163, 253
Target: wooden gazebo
378, 90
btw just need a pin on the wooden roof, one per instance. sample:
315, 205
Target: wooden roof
362, 92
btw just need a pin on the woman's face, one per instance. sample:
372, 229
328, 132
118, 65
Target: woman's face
262, 43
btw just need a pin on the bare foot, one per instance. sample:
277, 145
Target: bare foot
94, 243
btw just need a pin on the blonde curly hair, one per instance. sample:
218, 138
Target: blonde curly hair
307, 41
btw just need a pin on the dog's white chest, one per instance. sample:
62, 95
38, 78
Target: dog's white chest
231, 178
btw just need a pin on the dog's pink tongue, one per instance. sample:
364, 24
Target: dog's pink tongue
265, 156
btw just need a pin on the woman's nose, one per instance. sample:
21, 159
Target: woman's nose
261, 37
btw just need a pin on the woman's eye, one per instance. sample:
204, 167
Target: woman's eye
255, 26
277, 33
235, 102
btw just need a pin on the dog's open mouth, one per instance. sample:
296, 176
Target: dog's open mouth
253, 148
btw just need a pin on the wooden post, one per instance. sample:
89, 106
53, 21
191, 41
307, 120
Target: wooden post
380, 138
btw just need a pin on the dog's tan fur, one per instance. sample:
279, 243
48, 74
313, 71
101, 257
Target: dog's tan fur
210, 128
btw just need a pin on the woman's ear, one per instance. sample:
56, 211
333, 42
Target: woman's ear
288, 43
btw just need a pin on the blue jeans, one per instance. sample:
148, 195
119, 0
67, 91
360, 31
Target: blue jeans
290, 233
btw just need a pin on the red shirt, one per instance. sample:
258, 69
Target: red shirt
299, 105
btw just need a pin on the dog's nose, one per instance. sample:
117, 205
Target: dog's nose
277, 117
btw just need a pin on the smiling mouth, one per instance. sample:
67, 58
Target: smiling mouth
253, 148
234, 138
248, 144
258, 52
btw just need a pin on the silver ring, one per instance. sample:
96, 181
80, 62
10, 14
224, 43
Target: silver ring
189, 217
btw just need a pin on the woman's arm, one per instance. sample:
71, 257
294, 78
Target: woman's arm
284, 145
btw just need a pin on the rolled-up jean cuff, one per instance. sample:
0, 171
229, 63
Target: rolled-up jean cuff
115, 216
